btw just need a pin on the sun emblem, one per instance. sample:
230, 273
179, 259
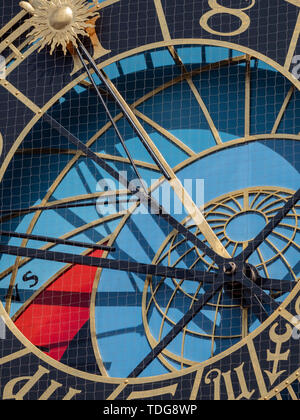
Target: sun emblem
59, 22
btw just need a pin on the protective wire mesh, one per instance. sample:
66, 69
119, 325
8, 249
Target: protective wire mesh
224, 125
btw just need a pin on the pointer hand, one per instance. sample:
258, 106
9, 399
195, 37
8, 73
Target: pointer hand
121, 265
274, 222
154, 152
196, 307
145, 199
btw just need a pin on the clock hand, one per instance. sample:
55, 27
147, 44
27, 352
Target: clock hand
155, 207
10, 213
245, 278
253, 303
275, 285
166, 170
265, 283
120, 265
274, 222
121, 138
57, 241
86, 150
120, 101
252, 295
197, 306
13, 212
111, 119
250, 285
257, 291
123, 142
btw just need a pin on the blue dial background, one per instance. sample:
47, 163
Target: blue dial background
119, 328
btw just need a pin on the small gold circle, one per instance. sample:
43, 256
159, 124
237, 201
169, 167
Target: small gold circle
61, 17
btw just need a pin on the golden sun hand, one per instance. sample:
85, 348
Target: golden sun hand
58, 22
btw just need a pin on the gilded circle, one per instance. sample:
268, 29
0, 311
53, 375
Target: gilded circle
260, 201
61, 17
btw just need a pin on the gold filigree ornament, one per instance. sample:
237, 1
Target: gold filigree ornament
58, 22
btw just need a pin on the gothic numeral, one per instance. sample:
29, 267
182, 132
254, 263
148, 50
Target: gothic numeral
227, 378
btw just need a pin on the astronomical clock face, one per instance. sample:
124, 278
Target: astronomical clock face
149, 208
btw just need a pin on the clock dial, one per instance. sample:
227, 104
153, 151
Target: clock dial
135, 202
221, 325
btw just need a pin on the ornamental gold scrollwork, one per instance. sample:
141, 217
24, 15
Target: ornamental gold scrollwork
219, 9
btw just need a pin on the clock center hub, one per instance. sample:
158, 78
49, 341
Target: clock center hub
229, 268
61, 17
245, 226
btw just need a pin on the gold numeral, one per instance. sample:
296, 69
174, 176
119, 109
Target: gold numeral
17, 388
167, 390
219, 9
216, 376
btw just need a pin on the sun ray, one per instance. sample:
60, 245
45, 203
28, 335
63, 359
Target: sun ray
58, 22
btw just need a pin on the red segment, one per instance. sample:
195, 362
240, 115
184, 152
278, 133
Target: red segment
56, 315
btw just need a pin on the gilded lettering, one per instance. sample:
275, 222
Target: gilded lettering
167, 390
71, 393
245, 393
217, 382
8, 392
227, 378
217, 9
50, 390
13, 392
